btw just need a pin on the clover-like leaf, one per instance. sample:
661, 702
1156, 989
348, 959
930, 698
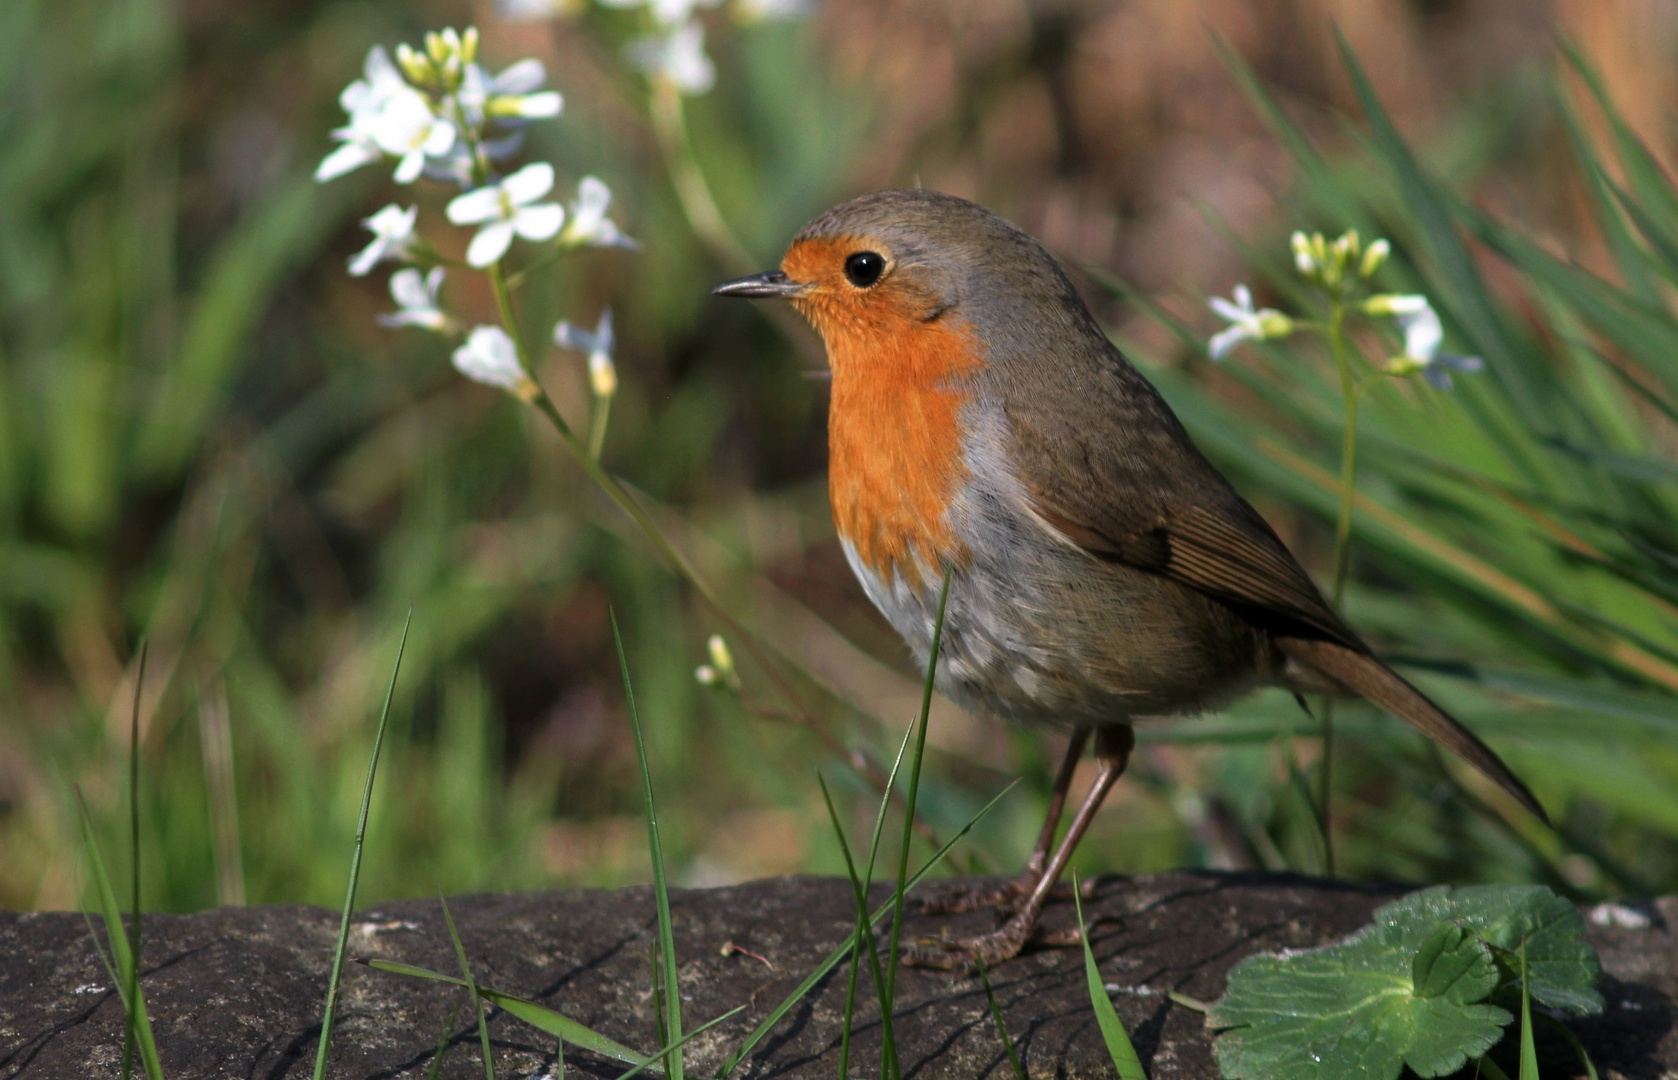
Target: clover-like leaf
1455, 965
1562, 968
1410, 990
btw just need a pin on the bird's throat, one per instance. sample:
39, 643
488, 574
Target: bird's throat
895, 440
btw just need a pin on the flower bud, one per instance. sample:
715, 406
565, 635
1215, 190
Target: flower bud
1273, 324
1394, 304
721, 658
602, 375
706, 675
415, 65
1374, 258
469, 45
1303, 260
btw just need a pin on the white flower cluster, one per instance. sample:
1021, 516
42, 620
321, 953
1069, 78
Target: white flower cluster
1335, 266
442, 116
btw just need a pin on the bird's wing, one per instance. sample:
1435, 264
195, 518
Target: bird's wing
1114, 472
1235, 559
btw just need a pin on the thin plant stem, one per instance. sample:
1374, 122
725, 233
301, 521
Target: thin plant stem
698, 204
1342, 553
1348, 449
892, 962
128, 1030
700, 207
355, 863
471, 986
597, 426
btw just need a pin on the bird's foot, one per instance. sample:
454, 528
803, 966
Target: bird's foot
1006, 898
965, 954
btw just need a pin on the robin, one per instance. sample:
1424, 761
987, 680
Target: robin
1102, 571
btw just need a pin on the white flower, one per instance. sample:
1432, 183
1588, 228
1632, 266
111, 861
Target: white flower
490, 357
358, 149
602, 375
393, 238
677, 58
668, 12
406, 128
1423, 335
1245, 323
379, 83
514, 94
507, 207
589, 223
416, 301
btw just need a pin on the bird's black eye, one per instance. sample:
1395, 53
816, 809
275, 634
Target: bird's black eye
864, 268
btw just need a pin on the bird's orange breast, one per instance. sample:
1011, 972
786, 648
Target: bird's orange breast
894, 425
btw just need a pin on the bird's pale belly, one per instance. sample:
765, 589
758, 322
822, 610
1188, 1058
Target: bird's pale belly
1041, 633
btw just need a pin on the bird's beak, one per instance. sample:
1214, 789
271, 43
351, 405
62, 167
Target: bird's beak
773, 285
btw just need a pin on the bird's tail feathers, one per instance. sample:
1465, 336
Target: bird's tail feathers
1364, 675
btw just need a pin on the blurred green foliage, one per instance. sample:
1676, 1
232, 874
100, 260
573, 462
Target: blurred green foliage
205, 441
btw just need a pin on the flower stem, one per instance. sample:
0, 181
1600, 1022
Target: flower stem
1348, 450
620, 495
700, 206
1342, 552
597, 426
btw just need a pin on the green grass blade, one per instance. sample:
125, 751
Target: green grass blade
1118, 1043
909, 814
1529, 1052
1490, 1069
677, 1044
128, 1032
126, 970
537, 1016
1572, 1040
442, 1045
996, 1014
355, 862
666, 934
864, 927
864, 937
471, 985
819, 972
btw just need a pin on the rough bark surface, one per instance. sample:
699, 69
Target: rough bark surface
237, 992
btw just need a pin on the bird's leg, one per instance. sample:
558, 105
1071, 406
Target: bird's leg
1112, 750
970, 899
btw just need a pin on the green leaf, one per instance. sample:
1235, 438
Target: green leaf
1562, 968
537, 1016
1455, 965
1409, 990
1344, 1012
1119, 1047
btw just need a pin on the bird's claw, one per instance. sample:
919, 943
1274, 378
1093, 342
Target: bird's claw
966, 954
